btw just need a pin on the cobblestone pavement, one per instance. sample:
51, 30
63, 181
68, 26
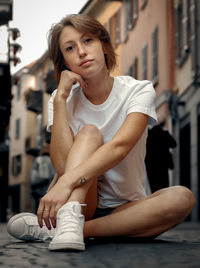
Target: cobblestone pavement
176, 248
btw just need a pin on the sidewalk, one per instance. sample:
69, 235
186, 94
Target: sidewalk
177, 248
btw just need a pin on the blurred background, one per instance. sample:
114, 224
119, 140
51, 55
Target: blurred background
157, 40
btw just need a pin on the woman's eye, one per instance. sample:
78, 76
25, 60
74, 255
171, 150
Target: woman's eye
88, 40
69, 48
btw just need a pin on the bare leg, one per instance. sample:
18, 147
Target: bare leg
146, 217
87, 141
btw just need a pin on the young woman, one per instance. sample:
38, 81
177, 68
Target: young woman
98, 127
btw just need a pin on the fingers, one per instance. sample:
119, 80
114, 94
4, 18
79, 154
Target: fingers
81, 81
40, 213
67, 79
43, 214
52, 202
76, 78
52, 216
46, 217
53, 213
47, 212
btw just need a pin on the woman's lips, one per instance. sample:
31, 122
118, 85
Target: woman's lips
86, 62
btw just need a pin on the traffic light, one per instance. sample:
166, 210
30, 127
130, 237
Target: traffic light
14, 47
15, 33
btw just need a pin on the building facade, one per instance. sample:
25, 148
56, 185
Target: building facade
32, 87
185, 103
162, 45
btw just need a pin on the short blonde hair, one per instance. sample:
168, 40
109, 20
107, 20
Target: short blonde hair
84, 24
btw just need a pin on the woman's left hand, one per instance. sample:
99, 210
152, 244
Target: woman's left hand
53, 201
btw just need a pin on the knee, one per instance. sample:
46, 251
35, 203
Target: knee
92, 133
179, 203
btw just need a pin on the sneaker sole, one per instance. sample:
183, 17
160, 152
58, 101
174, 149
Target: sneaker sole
11, 220
67, 246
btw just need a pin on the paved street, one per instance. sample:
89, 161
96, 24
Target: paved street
179, 247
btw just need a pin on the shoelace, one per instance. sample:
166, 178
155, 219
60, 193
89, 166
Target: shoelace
40, 233
70, 221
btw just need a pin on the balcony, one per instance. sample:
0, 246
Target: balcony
50, 82
31, 150
34, 99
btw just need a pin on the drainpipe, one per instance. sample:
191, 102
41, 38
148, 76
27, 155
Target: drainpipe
170, 9
171, 54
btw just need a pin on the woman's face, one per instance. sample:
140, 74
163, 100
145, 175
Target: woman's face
83, 54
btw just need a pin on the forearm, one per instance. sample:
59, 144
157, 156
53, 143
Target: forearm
104, 159
113, 152
61, 137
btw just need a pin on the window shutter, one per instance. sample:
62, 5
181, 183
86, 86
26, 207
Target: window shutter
17, 128
129, 71
192, 35
197, 32
185, 25
144, 62
155, 55
135, 10
117, 34
135, 68
176, 32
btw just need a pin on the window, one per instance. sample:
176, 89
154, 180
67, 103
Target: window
117, 29
131, 9
135, 10
39, 81
16, 165
18, 93
135, 68
28, 143
39, 130
50, 82
17, 84
195, 36
155, 56
198, 154
143, 3
17, 129
198, 37
114, 29
128, 6
129, 71
181, 31
144, 62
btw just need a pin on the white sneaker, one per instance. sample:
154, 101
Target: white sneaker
69, 229
24, 226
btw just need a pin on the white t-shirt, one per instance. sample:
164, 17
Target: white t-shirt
124, 182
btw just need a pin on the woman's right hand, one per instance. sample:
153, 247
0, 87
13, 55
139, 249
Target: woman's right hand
67, 79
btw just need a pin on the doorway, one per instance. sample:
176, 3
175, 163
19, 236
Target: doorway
185, 154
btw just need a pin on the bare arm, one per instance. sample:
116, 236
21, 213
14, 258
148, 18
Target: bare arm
61, 134
111, 153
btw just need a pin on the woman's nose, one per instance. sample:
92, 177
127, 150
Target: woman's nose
81, 51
